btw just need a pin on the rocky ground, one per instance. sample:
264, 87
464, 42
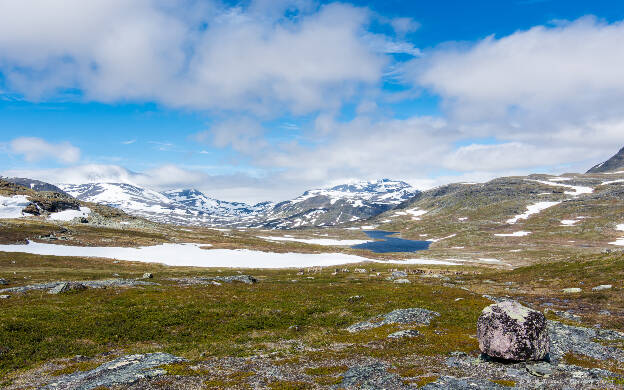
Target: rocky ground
155, 327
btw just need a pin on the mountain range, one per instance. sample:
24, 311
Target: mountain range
320, 207
339, 205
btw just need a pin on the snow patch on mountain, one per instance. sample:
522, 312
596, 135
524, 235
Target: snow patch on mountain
532, 209
12, 206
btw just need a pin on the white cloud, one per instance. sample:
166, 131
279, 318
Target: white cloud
35, 149
404, 25
543, 70
241, 134
189, 53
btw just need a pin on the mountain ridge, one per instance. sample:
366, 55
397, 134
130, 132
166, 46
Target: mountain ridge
318, 207
611, 165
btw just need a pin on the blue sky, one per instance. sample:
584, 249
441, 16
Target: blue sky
263, 99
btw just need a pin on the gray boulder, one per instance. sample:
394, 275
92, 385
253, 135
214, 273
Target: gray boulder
3, 282
510, 331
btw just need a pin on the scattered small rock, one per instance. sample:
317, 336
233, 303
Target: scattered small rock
3, 282
5, 296
542, 369
355, 298
510, 331
399, 274
360, 270
404, 334
402, 281
602, 287
147, 275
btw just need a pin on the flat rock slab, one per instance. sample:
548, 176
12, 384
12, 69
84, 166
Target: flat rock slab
371, 377
449, 382
414, 315
211, 280
87, 283
123, 371
566, 338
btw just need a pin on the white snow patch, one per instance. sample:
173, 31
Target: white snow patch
521, 233
560, 179
576, 190
604, 183
619, 242
462, 219
486, 260
192, 255
317, 241
369, 227
12, 206
620, 227
416, 213
69, 215
532, 209
440, 239
569, 222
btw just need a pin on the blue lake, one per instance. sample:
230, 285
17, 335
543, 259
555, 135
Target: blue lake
387, 243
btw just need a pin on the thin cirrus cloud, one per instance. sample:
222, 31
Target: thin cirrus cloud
35, 149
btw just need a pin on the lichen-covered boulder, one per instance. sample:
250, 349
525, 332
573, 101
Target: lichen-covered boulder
510, 331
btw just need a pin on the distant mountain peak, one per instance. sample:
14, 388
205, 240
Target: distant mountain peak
615, 163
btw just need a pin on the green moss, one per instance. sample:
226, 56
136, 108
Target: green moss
289, 385
503, 382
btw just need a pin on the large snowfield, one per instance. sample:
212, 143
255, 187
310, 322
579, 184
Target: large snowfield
193, 255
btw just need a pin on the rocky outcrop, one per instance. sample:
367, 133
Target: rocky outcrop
371, 376
122, 371
86, 283
214, 280
582, 341
613, 164
510, 331
415, 315
67, 287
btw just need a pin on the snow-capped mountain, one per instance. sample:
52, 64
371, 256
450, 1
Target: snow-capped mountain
198, 201
184, 207
340, 204
323, 207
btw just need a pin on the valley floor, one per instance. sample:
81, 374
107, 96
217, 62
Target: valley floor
289, 330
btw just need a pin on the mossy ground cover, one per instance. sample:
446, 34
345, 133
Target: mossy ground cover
228, 320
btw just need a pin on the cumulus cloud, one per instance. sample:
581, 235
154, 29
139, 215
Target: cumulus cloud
185, 53
545, 69
35, 149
